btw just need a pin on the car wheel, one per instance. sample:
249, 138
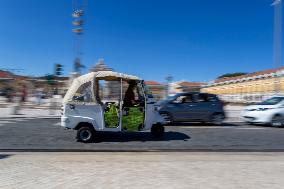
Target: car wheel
217, 119
85, 134
157, 130
277, 121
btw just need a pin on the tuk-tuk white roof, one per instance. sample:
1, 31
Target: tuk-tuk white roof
105, 75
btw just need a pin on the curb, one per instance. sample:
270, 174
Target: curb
143, 150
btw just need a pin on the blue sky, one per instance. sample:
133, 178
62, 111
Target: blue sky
195, 40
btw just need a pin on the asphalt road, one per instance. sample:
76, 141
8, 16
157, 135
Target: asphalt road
46, 134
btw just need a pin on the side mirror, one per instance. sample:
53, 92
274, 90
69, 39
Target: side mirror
281, 105
150, 99
78, 98
72, 106
177, 102
150, 96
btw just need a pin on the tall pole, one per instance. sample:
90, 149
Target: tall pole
169, 79
78, 14
277, 42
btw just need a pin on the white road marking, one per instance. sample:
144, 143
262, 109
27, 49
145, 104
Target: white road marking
57, 124
4, 122
256, 128
205, 127
226, 127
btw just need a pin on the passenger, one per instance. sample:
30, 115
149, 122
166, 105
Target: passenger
23, 93
129, 98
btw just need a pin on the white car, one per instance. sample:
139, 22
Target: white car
270, 111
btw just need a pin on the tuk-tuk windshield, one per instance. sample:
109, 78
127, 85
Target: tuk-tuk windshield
84, 93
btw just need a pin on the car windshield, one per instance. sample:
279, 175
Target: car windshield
168, 99
171, 98
272, 101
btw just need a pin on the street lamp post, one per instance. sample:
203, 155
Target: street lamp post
78, 14
169, 79
277, 42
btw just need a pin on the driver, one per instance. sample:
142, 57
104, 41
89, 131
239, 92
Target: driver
129, 98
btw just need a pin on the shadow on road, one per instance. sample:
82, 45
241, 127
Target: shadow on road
203, 124
4, 156
140, 136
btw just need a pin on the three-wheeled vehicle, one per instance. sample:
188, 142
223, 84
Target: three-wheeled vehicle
109, 101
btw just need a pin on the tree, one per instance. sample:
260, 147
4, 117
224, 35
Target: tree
232, 75
50, 79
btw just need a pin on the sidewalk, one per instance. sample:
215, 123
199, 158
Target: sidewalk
33, 102
49, 108
142, 170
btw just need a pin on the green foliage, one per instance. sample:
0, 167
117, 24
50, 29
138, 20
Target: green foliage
130, 122
133, 120
112, 117
232, 75
50, 79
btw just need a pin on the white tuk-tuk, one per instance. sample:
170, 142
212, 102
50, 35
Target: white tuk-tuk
109, 101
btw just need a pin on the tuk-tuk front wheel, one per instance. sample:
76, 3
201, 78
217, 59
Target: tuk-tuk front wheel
85, 134
157, 130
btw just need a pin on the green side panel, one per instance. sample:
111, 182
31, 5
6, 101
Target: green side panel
133, 119
112, 117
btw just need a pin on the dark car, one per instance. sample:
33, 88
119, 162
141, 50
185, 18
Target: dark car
192, 107
3, 93
8, 93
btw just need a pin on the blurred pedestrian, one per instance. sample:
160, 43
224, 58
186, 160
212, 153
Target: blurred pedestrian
38, 95
24, 93
9, 94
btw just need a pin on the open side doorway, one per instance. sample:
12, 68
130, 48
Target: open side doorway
123, 104
134, 107
108, 95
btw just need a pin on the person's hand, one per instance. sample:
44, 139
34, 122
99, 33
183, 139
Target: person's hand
136, 103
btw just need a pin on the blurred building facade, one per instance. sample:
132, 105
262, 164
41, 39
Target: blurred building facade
11, 84
6, 77
157, 89
109, 89
252, 87
184, 86
60, 83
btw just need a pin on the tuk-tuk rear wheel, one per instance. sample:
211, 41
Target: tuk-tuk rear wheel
157, 130
85, 134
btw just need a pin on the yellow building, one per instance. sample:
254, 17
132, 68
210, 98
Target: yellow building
184, 86
252, 87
